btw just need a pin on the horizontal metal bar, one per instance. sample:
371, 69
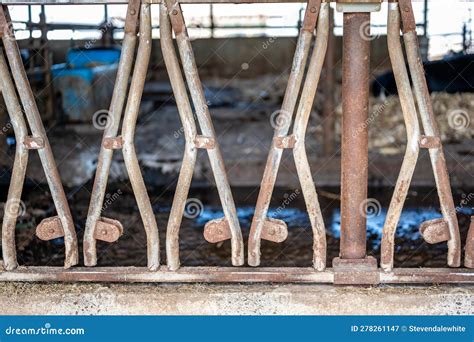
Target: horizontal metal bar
228, 275
99, 2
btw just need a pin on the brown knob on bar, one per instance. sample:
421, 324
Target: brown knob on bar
218, 230
435, 231
108, 230
49, 229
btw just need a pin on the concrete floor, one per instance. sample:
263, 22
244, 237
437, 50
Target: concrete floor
199, 299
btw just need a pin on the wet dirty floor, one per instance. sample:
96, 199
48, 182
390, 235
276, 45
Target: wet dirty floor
287, 204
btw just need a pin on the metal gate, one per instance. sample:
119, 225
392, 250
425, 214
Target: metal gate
352, 267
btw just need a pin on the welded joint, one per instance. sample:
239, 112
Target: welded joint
407, 16
131, 20
430, 142
285, 142
176, 16
113, 143
356, 271
204, 142
33, 143
311, 15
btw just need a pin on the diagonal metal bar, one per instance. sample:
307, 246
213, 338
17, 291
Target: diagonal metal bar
19, 166
299, 130
110, 132
128, 136
190, 134
413, 135
282, 126
430, 128
207, 128
37, 129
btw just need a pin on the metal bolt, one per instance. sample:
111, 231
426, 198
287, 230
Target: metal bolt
104, 232
133, 12
406, 9
51, 231
174, 12
313, 9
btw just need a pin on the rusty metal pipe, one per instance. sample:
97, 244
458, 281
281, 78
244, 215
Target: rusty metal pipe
111, 129
299, 152
19, 166
469, 251
190, 133
128, 136
37, 129
413, 135
282, 125
438, 161
207, 128
354, 141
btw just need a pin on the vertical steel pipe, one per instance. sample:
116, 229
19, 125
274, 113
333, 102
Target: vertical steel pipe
190, 133
354, 155
413, 135
19, 166
282, 125
37, 129
111, 130
207, 128
299, 131
430, 128
128, 136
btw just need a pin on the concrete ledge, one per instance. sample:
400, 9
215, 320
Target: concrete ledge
198, 299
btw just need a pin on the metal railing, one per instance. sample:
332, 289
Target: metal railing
352, 267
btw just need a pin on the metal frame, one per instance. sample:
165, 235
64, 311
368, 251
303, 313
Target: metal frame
99, 227
231, 275
353, 266
316, 12
53, 227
